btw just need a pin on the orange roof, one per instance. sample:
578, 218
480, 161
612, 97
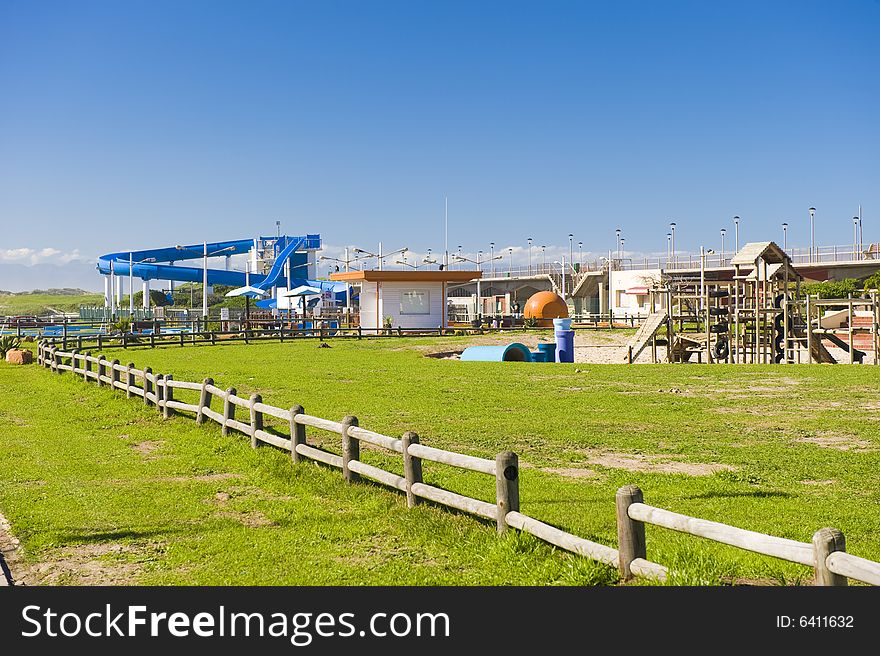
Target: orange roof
374, 275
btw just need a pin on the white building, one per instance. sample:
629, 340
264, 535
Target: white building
630, 291
405, 299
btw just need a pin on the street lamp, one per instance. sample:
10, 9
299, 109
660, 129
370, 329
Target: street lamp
492, 256
379, 256
530, 254
736, 229
570, 248
617, 232
672, 247
784, 236
812, 211
580, 255
510, 263
723, 232
855, 236
543, 260
668, 239
459, 250
277, 229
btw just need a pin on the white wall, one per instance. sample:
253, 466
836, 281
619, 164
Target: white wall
368, 305
390, 304
623, 304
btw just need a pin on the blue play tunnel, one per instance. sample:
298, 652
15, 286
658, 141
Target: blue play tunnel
509, 353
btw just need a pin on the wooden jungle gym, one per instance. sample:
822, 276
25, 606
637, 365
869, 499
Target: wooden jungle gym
757, 317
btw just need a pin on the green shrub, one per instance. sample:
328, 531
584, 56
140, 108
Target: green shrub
8, 343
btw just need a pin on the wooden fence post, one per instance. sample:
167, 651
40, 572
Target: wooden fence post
204, 400
506, 487
101, 370
160, 392
99, 342
114, 374
826, 541
351, 449
129, 380
87, 365
167, 396
73, 358
297, 431
148, 384
256, 420
228, 410
630, 533
412, 468
152, 340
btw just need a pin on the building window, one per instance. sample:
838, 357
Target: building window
415, 301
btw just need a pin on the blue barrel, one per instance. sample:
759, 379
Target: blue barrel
515, 352
539, 356
549, 351
563, 323
564, 345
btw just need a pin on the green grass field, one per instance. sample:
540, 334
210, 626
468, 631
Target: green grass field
40, 304
779, 450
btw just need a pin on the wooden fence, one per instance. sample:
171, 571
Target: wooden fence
826, 554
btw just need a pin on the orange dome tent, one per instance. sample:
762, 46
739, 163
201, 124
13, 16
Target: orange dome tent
544, 307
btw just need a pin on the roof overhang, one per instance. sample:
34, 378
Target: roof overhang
375, 275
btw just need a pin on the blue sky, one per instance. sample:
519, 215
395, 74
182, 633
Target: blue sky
128, 124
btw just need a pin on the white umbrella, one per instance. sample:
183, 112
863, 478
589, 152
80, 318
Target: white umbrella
303, 291
247, 291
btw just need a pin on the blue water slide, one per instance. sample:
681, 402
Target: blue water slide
156, 264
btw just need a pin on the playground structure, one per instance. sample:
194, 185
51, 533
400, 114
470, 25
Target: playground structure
757, 317
274, 266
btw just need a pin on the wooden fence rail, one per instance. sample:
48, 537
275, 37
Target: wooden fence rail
826, 554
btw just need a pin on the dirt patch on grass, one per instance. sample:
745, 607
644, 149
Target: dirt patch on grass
147, 448
445, 355
200, 478
839, 441
830, 481
9, 553
653, 464
249, 518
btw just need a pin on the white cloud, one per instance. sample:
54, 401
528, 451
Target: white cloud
46, 255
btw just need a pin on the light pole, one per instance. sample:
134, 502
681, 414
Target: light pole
543, 260
580, 255
459, 250
617, 232
277, 229
529, 240
736, 233
812, 211
570, 248
672, 247
785, 236
723, 232
492, 256
668, 239
622, 250
855, 236
510, 263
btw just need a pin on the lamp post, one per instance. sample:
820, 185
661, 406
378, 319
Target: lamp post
622, 250
277, 229
668, 239
672, 247
580, 255
492, 256
510, 263
723, 232
784, 236
736, 233
617, 232
570, 248
459, 250
529, 240
543, 260
812, 211
855, 236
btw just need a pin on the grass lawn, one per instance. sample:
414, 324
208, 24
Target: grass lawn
40, 304
781, 450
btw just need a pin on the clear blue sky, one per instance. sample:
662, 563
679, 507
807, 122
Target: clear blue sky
152, 123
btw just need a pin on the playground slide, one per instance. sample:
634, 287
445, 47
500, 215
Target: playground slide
159, 264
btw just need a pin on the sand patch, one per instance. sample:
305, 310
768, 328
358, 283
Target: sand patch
147, 448
830, 481
88, 564
653, 464
839, 441
249, 518
445, 355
